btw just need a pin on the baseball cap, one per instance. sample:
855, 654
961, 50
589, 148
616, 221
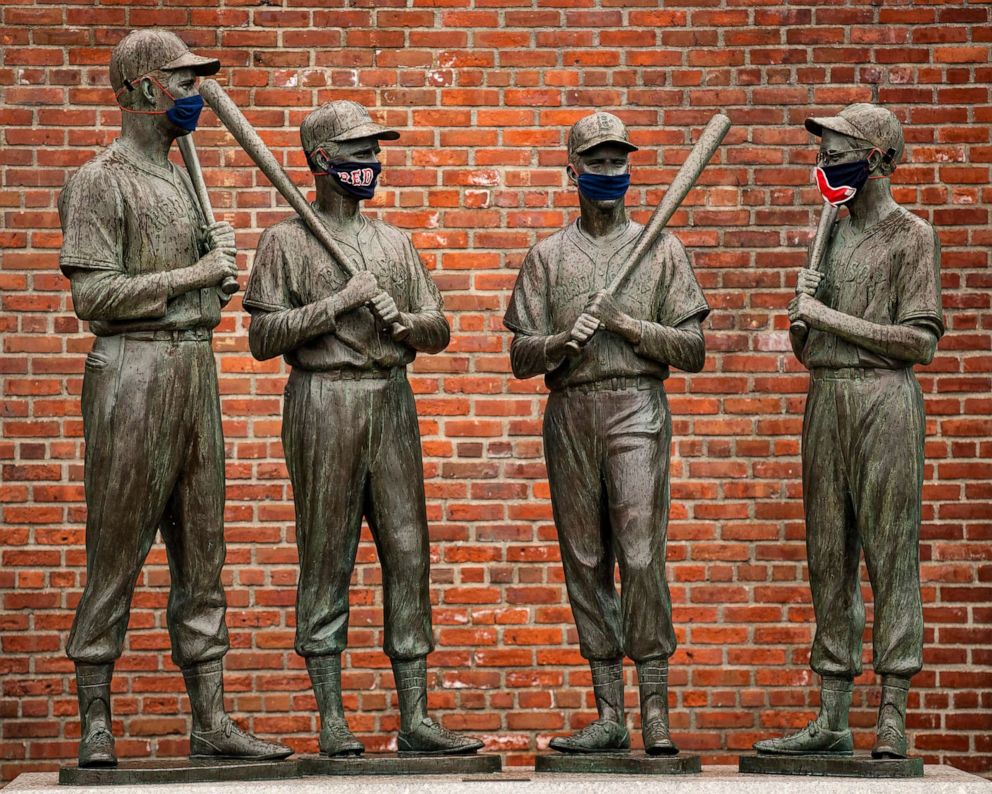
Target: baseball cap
141, 52
341, 120
873, 123
597, 128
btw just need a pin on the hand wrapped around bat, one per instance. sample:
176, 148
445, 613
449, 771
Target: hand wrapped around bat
808, 282
806, 309
604, 307
384, 307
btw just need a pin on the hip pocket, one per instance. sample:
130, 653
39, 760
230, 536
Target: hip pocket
105, 351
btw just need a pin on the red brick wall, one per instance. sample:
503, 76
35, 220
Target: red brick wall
485, 90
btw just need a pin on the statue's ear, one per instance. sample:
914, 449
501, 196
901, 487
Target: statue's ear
573, 175
146, 88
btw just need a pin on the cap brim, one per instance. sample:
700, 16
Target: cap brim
834, 124
592, 144
199, 64
368, 130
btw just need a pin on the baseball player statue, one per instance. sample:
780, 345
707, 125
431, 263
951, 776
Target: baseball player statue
607, 427
859, 327
145, 272
350, 429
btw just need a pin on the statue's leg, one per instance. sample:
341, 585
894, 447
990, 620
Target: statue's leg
129, 398
889, 491
575, 450
193, 531
833, 554
638, 438
397, 516
325, 438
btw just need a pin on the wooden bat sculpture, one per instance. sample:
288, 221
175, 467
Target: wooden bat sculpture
818, 250
236, 123
229, 285
686, 178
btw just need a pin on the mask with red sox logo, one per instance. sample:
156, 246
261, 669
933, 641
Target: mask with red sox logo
355, 179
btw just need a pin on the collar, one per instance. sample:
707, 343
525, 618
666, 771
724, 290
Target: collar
613, 244
142, 163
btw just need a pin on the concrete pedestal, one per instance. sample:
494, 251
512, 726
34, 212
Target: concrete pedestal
860, 765
399, 764
618, 764
713, 780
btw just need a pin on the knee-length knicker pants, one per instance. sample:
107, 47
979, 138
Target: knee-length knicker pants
353, 448
608, 454
862, 483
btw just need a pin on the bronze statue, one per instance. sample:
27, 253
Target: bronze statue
607, 427
146, 273
859, 327
349, 421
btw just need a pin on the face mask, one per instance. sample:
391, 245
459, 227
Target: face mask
184, 113
839, 183
600, 187
356, 179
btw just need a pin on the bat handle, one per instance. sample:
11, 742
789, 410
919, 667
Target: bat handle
229, 285
398, 331
799, 327
573, 347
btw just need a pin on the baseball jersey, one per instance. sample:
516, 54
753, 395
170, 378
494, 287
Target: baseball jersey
562, 271
292, 269
890, 274
123, 215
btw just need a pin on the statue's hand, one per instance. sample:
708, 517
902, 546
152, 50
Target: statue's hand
219, 235
808, 281
805, 309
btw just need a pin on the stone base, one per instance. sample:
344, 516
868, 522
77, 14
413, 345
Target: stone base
859, 765
618, 764
400, 764
177, 771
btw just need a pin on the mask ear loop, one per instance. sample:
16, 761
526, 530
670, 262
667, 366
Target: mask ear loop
886, 159
319, 150
130, 86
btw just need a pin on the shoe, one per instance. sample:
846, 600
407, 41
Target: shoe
337, 739
429, 738
96, 749
229, 741
96, 742
890, 733
657, 740
601, 736
814, 739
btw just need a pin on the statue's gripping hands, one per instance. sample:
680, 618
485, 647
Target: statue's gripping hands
859, 327
145, 273
350, 428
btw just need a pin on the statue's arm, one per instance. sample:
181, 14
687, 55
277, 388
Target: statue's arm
532, 355
277, 332
914, 343
681, 346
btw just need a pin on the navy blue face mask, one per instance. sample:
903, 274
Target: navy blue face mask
356, 179
185, 112
602, 187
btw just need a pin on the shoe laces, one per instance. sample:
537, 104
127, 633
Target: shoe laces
437, 728
813, 728
599, 726
339, 730
656, 725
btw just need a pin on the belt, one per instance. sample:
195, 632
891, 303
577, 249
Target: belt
615, 384
853, 373
189, 335
394, 373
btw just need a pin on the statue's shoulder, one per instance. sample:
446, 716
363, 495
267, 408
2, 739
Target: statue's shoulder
96, 175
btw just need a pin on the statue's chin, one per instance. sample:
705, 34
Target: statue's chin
605, 205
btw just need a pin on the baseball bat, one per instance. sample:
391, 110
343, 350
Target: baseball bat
236, 123
817, 251
709, 141
229, 285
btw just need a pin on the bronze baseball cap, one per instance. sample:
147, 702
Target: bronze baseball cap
341, 120
142, 52
872, 123
597, 128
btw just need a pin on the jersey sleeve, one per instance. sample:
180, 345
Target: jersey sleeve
91, 212
680, 296
917, 289
528, 312
268, 290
